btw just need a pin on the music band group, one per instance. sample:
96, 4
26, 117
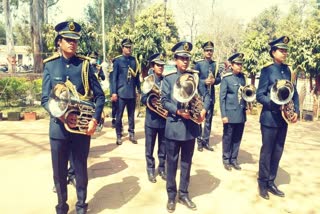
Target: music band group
180, 107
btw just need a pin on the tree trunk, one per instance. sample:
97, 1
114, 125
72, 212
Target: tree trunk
9, 36
317, 91
45, 11
310, 82
36, 23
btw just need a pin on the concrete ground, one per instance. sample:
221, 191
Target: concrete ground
118, 182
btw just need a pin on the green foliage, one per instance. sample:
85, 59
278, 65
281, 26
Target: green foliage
150, 35
13, 90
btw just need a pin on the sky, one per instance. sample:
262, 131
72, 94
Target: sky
241, 9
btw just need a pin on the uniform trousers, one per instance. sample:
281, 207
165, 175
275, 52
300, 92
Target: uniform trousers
60, 150
131, 105
114, 106
151, 135
206, 127
273, 139
231, 139
174, 148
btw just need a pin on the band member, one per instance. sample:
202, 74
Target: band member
273, 126
114, 104
71, 175
93, 61
209, 77
154, 123
233, 111
70, 68
125, 81
180, 131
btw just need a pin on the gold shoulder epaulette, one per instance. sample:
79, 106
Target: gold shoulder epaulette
268, 64
226, 74
164, 74
116, 58
54, 56
198, 60
83, 57
192, 70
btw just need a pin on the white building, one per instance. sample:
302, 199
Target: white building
23, 53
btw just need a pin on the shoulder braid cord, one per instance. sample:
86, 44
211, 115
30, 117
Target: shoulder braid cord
85, 81
134, 73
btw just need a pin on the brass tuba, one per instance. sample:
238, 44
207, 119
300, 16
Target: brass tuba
185, 92
248, 93
281, 93
76, 113
149, 85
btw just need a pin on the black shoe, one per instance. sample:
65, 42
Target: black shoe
152, 177
171, 205
208, 147
72, 181
119, 141
236, 166
274, 190
163, 175
263, 192
133, 139
227, 166
185, 200
200, 148
54, 189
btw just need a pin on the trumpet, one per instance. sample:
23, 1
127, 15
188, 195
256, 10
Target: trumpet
77, 113
149, 86
281, 93
185, 92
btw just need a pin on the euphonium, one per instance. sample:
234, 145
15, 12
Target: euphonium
185, 92
76, 113
248, 93
150, 86
281, 93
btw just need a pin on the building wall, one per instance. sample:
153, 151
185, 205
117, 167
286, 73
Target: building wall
23, 54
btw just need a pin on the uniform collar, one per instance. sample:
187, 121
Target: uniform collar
67, 61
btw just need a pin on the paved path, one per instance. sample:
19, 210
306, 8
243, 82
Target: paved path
118, 181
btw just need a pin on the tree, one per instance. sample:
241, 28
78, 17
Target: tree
9, 34
148, 34
36, 37
259, 32
2, 34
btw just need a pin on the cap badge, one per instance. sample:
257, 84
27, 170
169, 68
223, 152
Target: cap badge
71, 26
186, 46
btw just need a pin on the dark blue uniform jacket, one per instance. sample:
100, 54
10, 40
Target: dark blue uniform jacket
57, 71
121, 85
178, 128
271, 114
231, 103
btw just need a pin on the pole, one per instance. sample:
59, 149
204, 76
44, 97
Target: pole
103, 34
